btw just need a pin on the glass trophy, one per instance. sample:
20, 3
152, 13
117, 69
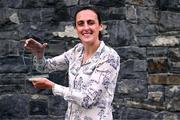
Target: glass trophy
27, 59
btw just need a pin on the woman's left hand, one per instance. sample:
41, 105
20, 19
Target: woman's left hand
42, 83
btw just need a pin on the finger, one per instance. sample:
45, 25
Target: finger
34, 80
32, 41
45, 45
25, 45
34, 84
27, 42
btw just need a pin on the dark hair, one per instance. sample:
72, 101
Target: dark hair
92, 9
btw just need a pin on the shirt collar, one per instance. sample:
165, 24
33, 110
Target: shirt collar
97, 54
99, 50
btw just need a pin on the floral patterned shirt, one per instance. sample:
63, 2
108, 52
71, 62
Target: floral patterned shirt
91, 84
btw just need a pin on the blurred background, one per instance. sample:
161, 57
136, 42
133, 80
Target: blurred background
145, 33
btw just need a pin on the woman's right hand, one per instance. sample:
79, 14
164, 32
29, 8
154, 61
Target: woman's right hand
35, 47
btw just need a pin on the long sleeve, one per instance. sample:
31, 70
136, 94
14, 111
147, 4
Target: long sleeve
91, 85
49, 65
60, 62
102, 81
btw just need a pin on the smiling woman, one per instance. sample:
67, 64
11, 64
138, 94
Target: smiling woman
92, 67
96, 19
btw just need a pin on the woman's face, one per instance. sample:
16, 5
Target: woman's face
87, 26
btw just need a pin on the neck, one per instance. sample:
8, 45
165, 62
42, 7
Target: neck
89, 50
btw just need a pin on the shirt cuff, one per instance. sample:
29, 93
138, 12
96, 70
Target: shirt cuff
59, 90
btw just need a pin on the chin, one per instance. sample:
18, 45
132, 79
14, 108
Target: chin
87, 40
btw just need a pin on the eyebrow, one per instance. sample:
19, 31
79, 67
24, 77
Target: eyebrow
85, 20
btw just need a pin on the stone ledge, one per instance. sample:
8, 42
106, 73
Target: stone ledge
165, 79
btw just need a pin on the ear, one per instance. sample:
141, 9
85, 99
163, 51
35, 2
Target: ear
101, 27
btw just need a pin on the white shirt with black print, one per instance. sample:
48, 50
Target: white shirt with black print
91, 84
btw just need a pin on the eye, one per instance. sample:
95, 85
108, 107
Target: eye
90, 22
80, 23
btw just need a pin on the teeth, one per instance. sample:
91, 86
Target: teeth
86, 34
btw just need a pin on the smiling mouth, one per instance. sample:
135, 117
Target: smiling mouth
87, 33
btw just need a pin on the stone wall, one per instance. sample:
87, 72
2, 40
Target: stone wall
145, 33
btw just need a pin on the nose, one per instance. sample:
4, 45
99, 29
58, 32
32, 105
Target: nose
86, 26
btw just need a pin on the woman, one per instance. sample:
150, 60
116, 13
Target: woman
92, 67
